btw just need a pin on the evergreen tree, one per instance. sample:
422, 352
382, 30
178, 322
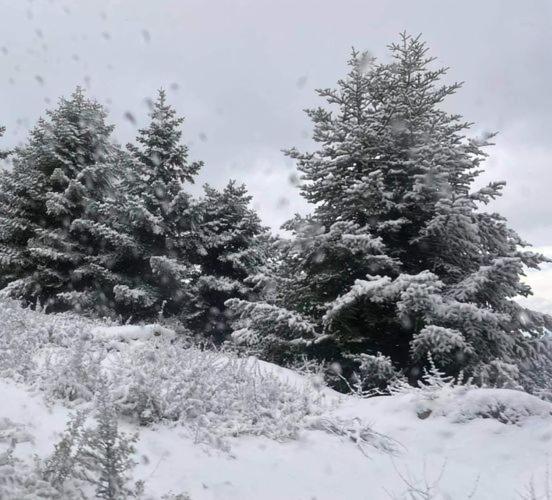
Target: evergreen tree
230, 248
64, 168
19, 215
146, 227
398, 257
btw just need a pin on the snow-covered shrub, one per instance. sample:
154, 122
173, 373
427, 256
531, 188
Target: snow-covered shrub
16, 354
105, 455
21, 481
316, 372
13, 433
54, 352
374, 373
21, 333
71, 373
100, 456
432, 383
88, 461
362, 435
131, 332
215, 395
60, 465
27, 334
438, 395
504, 405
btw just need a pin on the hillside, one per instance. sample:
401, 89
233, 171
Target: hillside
288, 438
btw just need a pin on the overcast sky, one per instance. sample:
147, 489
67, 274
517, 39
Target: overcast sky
242, 71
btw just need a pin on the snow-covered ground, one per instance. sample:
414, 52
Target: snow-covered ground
451, 448
219, 427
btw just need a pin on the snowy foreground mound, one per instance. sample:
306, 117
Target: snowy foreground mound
219, 427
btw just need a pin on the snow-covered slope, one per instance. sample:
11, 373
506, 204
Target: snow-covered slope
220, 427
456, 456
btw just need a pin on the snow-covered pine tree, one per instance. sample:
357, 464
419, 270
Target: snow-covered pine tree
18, 218
10, 259
399, 257
232, 245
65, 166
146, 228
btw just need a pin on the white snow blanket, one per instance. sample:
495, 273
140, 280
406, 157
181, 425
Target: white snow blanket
456, 457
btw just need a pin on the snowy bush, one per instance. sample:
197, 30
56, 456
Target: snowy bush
374, 373
21, 481
438, 395
72, 373
362, 435
99, 456
24, 331
315, 371
61, 464
505, 405
215, 395
16, 348
104, 456
53, 352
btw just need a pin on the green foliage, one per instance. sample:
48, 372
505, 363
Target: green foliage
145, 230
87, 225
398, 256
65, 166
231, 246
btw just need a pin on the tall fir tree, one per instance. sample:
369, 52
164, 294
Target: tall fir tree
398, 258
146, 229
65, 166
231, 247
